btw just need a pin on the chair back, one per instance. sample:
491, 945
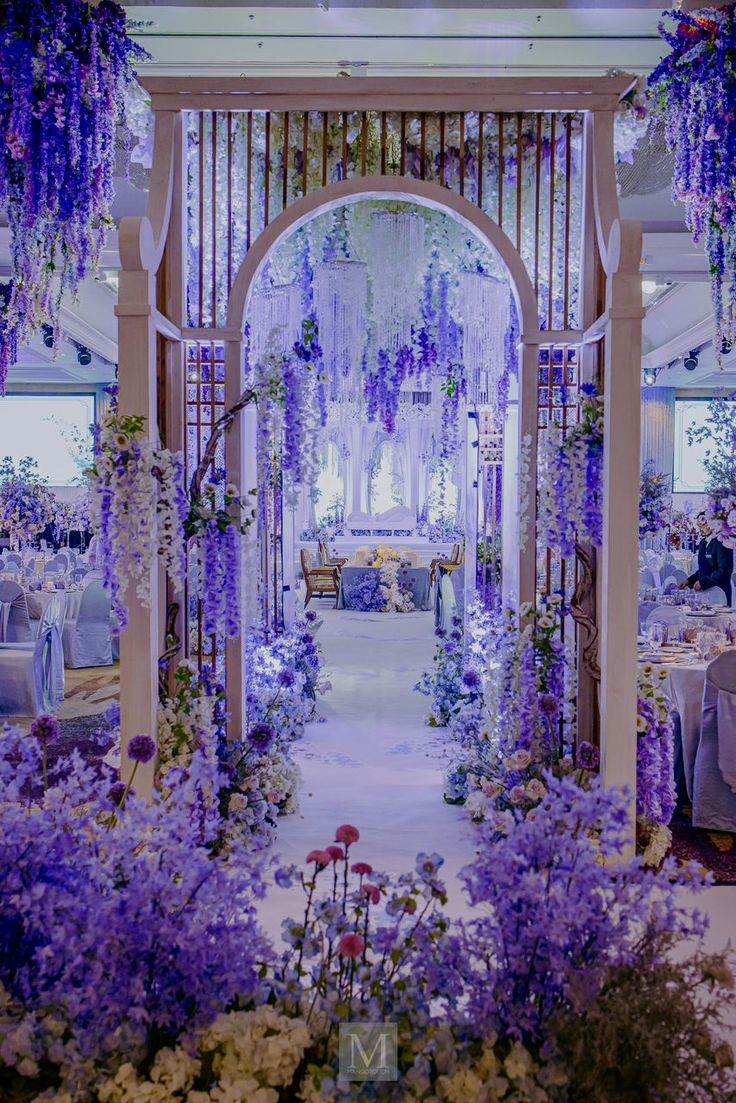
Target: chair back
15, 624
12, 568
715, 596
94, 607
13, 557
719, 714
57, 565
323, 553
667, 614
645, 608
646, 578
306, 559
455, 554
677, 573
669, 586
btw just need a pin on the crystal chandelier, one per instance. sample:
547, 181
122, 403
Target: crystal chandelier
484, 303
340, 303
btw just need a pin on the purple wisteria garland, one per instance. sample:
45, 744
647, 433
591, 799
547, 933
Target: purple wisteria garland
140, 509
694, 91
570, 484
655, 769
65, 67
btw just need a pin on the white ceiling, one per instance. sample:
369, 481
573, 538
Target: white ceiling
442, 38
401, 38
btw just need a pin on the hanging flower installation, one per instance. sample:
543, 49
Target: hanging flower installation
140, 509
65, 66
655, 770
654, 501
218, 516
26, 504
571, 479
694, 90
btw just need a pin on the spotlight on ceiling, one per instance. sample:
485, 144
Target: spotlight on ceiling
726, 346
650, 376
690, 362
323, 5
48, 335
84, 356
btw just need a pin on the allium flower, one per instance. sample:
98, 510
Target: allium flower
347, 834
261, 736
351, 945
588, 756
46, 729
117, 792
548, 704
141, 748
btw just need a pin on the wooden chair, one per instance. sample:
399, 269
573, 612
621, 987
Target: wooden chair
318, 580
326, 560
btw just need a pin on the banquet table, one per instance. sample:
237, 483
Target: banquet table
414, 578
37, 600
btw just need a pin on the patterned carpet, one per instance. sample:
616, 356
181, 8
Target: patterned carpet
715, 850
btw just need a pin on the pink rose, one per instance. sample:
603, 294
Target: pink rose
535, 789
516, 795
350, 945
347, 834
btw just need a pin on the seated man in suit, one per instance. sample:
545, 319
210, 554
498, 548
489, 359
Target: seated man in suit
715, 563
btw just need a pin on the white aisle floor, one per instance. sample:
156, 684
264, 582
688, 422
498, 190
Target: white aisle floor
373, 762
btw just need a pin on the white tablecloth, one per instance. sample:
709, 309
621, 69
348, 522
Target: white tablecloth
719, 621
37, 600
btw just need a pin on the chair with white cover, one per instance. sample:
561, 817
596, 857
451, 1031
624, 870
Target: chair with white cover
86, 637
32, 674
58, 565
15, 624
645, 608
646, 578
11, 569
670, 615
714, 779
714, 596
13, 557
677, 573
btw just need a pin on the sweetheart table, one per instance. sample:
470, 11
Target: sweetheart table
415, 579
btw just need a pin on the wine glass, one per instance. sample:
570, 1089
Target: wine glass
657, 634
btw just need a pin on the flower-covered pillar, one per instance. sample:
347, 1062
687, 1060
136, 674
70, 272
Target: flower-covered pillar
139, 644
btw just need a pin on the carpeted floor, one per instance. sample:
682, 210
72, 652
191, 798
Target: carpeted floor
715, 850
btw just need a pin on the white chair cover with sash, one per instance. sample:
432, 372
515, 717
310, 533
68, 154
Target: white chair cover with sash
714, 781
15, 625
86, 637
32, 674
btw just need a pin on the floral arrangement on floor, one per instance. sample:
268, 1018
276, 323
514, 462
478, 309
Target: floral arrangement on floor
443, 683
137, 970
140, 509
693, 91
26, 503
720, 513
365, 592
570, 482
515, 719
655, 767
654, 501
285, 676
66, 66
397, 595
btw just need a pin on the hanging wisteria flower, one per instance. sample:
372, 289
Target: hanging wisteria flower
140, 508
655, 770
693, 89
571, 479
654, 501
65, 66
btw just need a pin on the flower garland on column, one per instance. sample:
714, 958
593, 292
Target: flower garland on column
655, 769
694, 90
140, 508
65, 67
571, 479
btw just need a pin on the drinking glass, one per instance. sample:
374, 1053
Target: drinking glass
657, 634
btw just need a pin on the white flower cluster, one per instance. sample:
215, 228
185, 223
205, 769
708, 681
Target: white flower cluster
137, 496
396, 600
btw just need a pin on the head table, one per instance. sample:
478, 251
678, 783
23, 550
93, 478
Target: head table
415, 579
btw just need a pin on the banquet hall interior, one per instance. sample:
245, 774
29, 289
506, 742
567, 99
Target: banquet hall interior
367, 531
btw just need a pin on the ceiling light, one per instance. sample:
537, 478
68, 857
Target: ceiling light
84, 356
690, 362
650, 376
649, 286
323, 5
